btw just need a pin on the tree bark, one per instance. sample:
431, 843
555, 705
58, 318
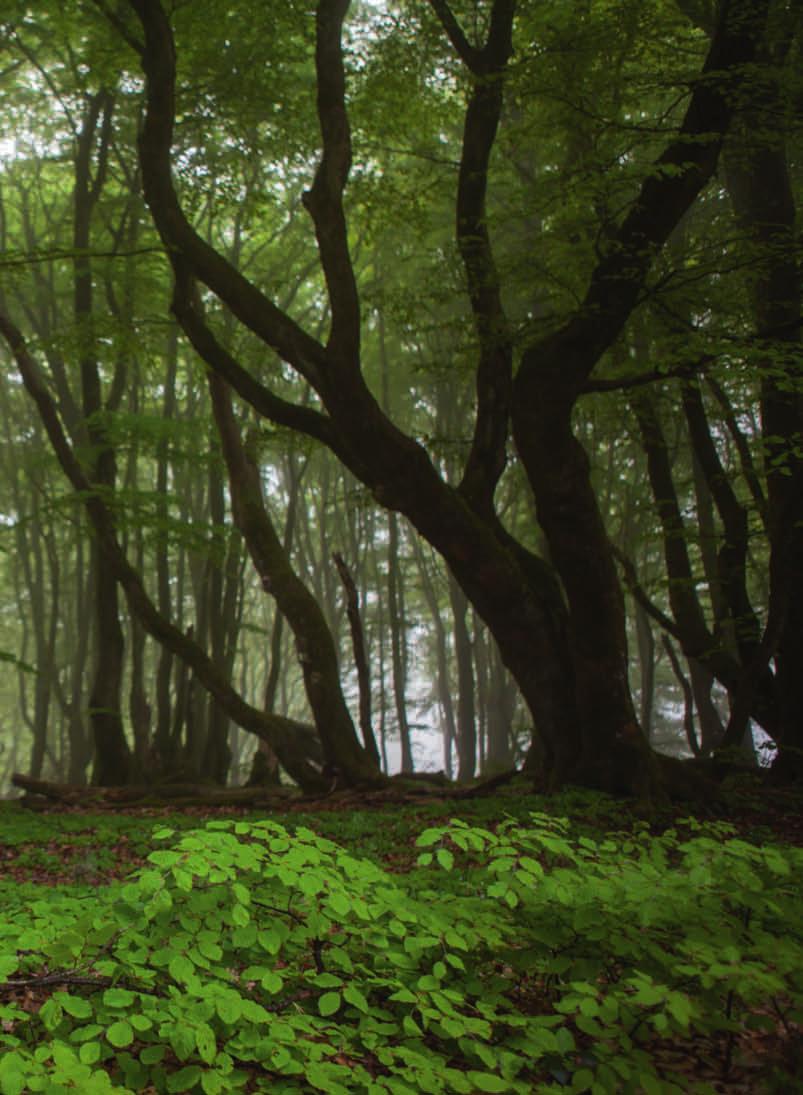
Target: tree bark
112, 756
761, 191
360, 657
345, 757
466, 706
397, 621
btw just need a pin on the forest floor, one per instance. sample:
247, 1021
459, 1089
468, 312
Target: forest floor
756, 1047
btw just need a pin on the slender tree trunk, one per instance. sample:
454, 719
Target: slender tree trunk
161, 758
360, 657
688, 699
711, 728
398, 642
316, 650
444, 687
80, 748
112, 756
502, 695
466, 707
646, 654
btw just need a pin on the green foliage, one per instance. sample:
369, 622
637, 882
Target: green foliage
246, 957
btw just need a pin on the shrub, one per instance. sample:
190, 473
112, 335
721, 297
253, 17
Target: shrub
244, 955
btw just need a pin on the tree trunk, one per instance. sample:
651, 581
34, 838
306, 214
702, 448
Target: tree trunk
502, 695
112, 756
466, 708
614, 753
646, 657
761, 191
161, 757
443, 684
360, 657
345, 757
398, 642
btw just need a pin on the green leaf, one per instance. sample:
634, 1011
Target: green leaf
353, 996
445, 858
229, 1008
681, 1008
118, 998
240, 916
329, 1003
339, 904
182, 1039
89, 1053
151, 1055
206, 1043
651, 1084
487, 1081
183, 879
51, 1014
272, 982
212, 1082
583, 1079
184, 1079
181, 968
210, 949
8, 965
76, 1006
12, 1082
429, 837
270, 940
411, 1027
120, 1034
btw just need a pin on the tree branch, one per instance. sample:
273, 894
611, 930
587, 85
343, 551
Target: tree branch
305, 420
251, 306
469, 55
324, 200
677, 177
487, 456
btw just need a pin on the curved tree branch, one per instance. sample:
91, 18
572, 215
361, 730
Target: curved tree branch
678, 175
251, 306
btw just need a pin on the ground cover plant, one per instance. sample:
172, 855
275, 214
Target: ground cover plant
413, 953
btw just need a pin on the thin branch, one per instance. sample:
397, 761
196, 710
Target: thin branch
679, 372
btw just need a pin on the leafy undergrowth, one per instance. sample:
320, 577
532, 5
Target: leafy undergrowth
531, 955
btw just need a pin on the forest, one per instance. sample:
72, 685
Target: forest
401, 546
395, 377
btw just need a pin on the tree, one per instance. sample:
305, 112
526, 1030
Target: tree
570, 667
